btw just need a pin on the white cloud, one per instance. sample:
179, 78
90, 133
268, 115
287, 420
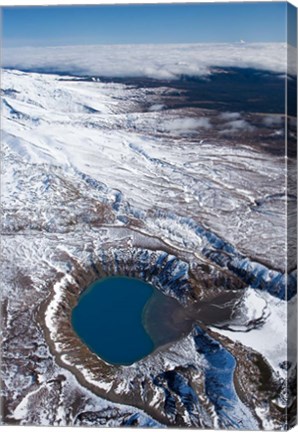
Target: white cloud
157, 107
186, 124
273, 120
239, 124
229, 115
156, 61
235, 126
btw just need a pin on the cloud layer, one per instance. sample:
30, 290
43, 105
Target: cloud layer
154, 61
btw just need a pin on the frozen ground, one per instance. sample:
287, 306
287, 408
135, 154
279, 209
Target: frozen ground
106, 178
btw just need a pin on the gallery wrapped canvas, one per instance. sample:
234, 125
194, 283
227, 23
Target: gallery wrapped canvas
149, 197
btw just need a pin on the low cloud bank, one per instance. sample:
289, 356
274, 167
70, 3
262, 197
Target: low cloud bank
272, 121
154, 61
186, 124
236, 126
229, 116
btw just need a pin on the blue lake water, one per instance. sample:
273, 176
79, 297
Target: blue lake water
124, 319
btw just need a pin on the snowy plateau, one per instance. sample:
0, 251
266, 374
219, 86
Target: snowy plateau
143, 178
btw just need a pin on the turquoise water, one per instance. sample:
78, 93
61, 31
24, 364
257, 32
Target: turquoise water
124, 319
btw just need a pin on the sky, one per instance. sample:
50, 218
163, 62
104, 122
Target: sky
144, 24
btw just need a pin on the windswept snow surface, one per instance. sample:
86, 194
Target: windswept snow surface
170, 162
